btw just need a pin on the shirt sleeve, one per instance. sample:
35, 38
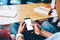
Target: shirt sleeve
55, 36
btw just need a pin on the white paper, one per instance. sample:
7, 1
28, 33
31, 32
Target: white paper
42, 10
6, 11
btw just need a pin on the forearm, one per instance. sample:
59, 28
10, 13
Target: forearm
58, 8
21, 29
45, 33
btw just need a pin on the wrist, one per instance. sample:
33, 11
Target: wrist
19, 36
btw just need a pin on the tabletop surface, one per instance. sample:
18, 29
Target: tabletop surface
24, 11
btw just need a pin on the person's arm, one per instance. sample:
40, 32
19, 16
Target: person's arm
38, 31
45, 33
21, 27
58, 8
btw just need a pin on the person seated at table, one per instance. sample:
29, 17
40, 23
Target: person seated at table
54, 21
49, 28
38, 33
48, 35
28, 35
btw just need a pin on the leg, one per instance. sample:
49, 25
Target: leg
14, 28
48, 27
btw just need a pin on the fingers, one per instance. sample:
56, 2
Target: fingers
36, 28
21, 27
36, 24
22, 24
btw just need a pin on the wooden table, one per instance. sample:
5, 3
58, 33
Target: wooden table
24, 11
27, 11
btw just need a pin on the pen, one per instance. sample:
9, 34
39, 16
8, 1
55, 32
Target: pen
50, 12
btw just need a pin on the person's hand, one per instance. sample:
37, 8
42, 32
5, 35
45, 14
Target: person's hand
21, 27
37, 29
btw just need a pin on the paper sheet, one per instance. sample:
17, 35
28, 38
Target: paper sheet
6, 11
42, 10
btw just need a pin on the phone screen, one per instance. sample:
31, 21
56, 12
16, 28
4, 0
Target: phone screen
28, 24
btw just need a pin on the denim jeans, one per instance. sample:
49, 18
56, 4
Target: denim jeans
55, 36
14, 28
48, 27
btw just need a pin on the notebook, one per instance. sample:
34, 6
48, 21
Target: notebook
6, 11
45, 11
42, 10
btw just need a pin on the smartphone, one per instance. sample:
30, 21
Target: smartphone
28, 24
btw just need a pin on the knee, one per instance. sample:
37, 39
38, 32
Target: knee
48, 27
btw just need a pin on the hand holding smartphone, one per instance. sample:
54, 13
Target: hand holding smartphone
28, 24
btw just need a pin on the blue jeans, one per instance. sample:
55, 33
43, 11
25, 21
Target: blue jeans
48, 27
55, 36
14, 28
